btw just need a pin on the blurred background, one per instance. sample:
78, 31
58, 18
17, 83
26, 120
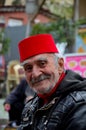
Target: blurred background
64, 19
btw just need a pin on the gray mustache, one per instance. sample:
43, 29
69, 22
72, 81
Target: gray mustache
40, 78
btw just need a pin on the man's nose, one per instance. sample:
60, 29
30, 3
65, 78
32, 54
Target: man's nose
36, 71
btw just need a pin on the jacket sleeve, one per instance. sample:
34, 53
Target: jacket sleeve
76, 117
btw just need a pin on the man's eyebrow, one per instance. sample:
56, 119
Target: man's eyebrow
27, 64
38, 60
42, 58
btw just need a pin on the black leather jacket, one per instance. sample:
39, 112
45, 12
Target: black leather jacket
65, 111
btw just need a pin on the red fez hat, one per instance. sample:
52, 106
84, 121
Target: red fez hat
37, 44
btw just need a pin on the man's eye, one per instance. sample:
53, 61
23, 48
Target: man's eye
28, 68
42, 64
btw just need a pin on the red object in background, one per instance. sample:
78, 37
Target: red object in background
2, 61
2, 67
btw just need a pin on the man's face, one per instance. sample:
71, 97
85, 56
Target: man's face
42, 72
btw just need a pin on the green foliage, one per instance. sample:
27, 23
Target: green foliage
62, 30
5, 43
16, 2
62, 8
81, 21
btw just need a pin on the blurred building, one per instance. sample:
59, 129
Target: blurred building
82, 9
13, 15
9, 2
15, 19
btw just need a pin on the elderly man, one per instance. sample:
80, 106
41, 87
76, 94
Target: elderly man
60, 103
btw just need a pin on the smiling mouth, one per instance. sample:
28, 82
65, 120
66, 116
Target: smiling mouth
39, 80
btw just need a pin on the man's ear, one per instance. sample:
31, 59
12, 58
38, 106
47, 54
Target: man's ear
60, 65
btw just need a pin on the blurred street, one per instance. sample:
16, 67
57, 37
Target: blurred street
3, 115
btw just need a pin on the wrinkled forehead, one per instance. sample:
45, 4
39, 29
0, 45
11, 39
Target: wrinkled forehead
45, 56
